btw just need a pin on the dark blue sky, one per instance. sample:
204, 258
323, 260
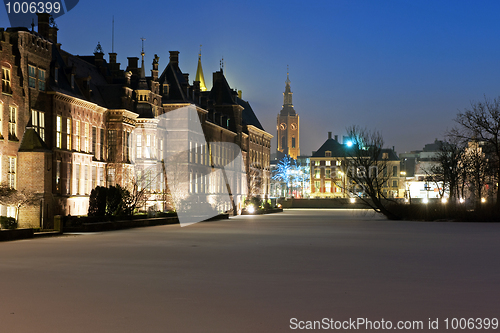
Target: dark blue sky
402, 67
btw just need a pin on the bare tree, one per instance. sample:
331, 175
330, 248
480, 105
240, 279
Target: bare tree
368, 169
482, 123
448, 172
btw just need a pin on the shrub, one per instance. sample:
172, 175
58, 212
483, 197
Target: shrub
97, 201
8, 222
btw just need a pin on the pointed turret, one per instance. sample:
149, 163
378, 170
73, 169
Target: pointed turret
199, 74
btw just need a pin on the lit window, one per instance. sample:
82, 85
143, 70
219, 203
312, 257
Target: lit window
58, 132
101, 144
12, 123
12, 172
41, 79
328, 186
317, 173
68, 133
139, 146
86, 137
316, 163
112, 145
32, 76
86, 179
127, 146
38, 123
6, 83
111, 177
147, 152
94, 139
327, 173
94, 176
77, 179
327, 163
58, 176
77, 135
317, 186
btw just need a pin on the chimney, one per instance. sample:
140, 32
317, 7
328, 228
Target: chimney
112, 58
53, 34
132, 64
240, 94
337, 138
174, 57
154, 71
43, 24
329, 135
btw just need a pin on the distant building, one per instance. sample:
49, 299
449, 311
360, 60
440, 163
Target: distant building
288, 126
416, 167
330, 168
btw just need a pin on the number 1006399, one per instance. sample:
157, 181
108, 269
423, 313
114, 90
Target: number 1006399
33, 7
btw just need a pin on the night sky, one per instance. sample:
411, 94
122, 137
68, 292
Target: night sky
402, 67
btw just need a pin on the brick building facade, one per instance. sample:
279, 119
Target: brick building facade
77, 122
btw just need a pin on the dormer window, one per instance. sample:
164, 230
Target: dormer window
328, 153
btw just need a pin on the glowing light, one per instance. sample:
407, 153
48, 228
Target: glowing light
353, 200
251, 209
444, 200
406, 200
279, 206
462, 200
349, 143
483, 200
425, 200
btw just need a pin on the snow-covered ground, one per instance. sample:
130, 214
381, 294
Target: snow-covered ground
251, 274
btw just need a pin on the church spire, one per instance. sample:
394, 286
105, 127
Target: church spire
199, 74
143, 85
287, 96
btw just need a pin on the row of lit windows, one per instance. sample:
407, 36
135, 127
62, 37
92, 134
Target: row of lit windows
259, 140
76, 179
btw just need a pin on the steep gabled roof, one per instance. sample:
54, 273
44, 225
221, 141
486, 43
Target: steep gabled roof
31, 141
330, 145
221, 92
174, 77
249, 117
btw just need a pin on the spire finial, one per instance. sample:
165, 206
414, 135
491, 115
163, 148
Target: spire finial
142, 53
32, 25
199, 54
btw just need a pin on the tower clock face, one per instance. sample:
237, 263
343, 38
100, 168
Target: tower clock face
293, 126
283, 126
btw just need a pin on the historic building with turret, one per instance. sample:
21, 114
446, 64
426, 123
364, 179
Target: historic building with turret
70, 123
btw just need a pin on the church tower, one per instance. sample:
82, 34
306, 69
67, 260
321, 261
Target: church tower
288, 125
